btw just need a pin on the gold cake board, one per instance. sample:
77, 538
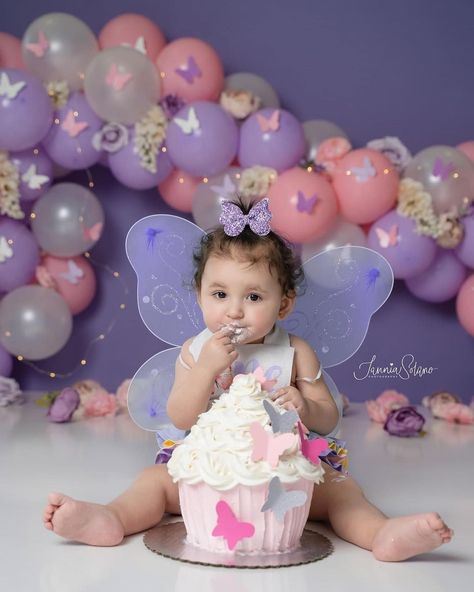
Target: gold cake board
169, 540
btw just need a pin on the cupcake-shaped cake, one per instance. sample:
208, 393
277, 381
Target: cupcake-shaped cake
245, 482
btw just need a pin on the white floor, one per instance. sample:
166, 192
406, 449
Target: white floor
97, 458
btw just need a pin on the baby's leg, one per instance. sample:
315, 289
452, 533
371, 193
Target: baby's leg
355, 519
140, 507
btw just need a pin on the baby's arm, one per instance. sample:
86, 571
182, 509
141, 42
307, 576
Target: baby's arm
193, 385
313, 401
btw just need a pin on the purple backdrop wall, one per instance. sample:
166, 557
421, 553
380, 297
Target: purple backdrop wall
374, 68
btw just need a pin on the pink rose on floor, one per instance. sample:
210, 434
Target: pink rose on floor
453, 412
100, 403
121, 394
440, 397
387, 401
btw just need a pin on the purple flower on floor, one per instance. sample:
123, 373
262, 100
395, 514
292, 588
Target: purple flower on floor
405, 422
64, 405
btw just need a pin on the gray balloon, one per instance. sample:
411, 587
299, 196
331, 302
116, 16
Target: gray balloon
256, 85
68, 220
35, 322
318, 130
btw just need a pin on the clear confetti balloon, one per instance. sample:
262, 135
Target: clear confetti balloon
341, 234
35, 322
67, 220
121, 85
59, 46
447, 174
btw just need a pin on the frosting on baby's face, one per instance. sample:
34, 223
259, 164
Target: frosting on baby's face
219, 447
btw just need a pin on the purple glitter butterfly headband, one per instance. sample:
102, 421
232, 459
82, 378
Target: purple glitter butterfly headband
234, 220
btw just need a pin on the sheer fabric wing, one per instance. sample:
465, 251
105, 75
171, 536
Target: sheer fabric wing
160, 249
148, 392
343, 288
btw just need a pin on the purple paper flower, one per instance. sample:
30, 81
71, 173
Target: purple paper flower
171, 104
111, 138
64, 405
405, 422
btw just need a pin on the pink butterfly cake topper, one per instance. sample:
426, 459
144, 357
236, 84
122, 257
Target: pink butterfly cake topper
267, 446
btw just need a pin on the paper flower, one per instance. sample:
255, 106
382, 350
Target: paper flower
150, 133
171, 104
388, 400
64, 405
9, 192
394, 149
256, 181
111, 138
121, 394
240, 103
404, 422
454, 413
100, 403
58, 91
10, 392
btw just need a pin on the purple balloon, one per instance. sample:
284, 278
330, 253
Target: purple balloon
26, 112
126, 168
272, 138
36, 172
19, 254
395, 237
6, 362
441, 281
202, 139
465, 250
69, 141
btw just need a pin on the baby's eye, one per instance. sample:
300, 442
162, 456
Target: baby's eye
219, 294
254, 297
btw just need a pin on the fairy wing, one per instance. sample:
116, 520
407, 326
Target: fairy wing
160, 249
343, 288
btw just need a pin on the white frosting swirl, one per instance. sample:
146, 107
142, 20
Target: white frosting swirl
219, 447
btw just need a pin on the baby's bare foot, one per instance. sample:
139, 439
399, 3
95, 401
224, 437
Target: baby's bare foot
84, 522
407, 536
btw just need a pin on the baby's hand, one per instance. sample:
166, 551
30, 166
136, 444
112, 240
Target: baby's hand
291, 398
218, 353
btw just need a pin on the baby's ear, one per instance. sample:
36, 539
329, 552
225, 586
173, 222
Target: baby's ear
286, 306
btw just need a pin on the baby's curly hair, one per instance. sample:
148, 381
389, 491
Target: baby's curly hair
249, 246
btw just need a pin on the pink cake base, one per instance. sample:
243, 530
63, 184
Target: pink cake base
198, 508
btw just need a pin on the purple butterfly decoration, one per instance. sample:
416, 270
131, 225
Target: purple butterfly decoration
190, 71
306, 204
442, 170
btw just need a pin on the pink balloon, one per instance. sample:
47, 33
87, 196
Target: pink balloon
465, 305
366, 184
303, 205
73, 278
135, 30
177, 190
467, 148
10, 52
191, 69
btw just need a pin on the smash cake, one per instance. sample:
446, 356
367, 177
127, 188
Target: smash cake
246, 474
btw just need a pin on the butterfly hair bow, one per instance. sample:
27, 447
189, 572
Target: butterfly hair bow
234, 220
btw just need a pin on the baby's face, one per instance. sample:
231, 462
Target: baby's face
246, 299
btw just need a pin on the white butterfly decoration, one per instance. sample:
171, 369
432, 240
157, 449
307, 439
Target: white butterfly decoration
73, 274
189, 125
226, 190
363, 173
6, 252
32, 179
9, 89
139, 45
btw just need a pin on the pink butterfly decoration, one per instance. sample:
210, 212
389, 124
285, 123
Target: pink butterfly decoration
388, 239
117, 80
269, 124
311, 449
71, 126
93, 233
229, 527
40, 48
267, 383
442, 170
268, 446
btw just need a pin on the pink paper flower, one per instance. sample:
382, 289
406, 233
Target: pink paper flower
121, 394
453, 412
386, 402
100, 403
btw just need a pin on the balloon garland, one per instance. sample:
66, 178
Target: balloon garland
164, 115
